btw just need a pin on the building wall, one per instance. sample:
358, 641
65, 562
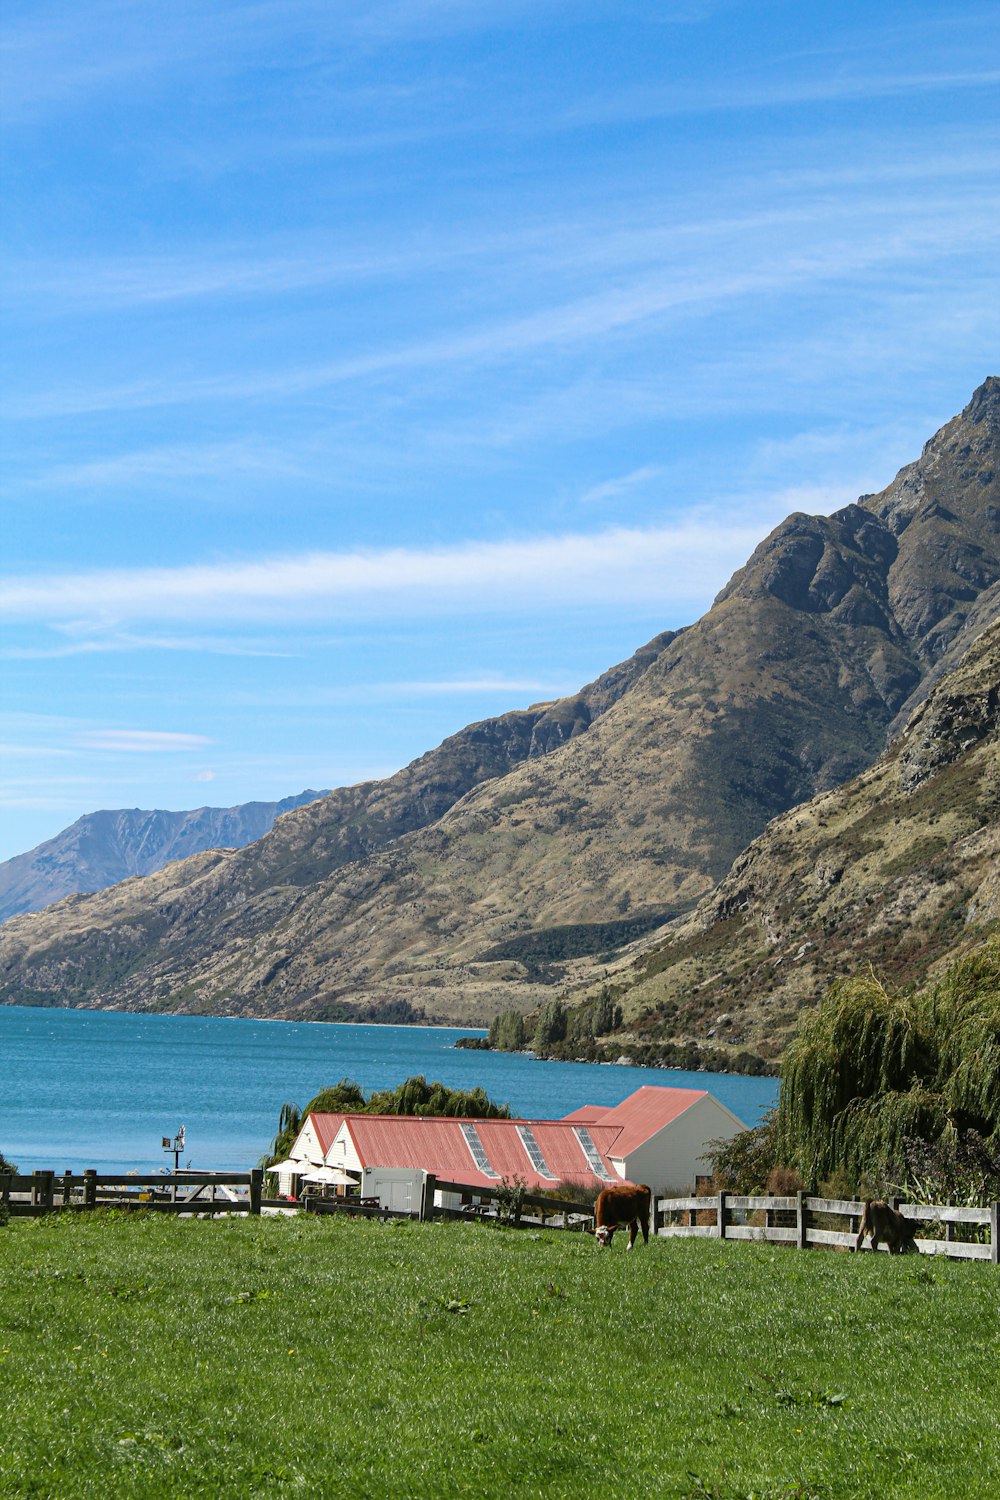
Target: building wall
343, 1152
306, 1146
670, 1160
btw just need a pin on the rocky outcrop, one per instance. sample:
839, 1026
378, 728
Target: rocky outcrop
899, 868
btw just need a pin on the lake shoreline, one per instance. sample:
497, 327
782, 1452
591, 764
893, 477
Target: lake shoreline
98, 1088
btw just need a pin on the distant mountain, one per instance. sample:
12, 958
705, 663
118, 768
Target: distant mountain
899, 868
105, 847
517, 858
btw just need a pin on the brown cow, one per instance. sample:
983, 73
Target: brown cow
883, 1222
627, 1204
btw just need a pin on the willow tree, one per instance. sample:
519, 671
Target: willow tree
964, 1010
868, 1071
861, 1048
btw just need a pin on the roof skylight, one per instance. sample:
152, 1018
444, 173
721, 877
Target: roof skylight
530, 1143
592, 1154
478, 1150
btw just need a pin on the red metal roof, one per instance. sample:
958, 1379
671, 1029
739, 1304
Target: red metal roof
326, 1127
439, 1146
644, 1113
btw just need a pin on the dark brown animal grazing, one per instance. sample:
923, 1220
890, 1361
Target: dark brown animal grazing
622, 1205
883, 1222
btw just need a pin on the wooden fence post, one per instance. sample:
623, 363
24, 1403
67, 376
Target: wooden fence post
256, 1188
801, 1222
67, 1187
721, 1215
995, 1233
90, 1188
655, 1215
42, 1190
5, 1181
427, 1197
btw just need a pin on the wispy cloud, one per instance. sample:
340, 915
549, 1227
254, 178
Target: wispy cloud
619, 564
179, 461
509, 689
613, 489
636, 303
818, 196
459, 687
836, 86
92, 644
110, 47
140, 741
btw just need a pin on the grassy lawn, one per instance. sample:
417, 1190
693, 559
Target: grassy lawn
317, 1357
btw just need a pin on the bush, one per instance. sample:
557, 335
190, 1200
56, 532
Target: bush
509, 1199
743, 1163
961, 1169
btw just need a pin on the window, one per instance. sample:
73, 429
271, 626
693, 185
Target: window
534, 1150
592, 1154
478, 1150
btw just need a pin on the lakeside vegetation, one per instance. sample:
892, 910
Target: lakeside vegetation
579, 1032
145, 1356
887, 1092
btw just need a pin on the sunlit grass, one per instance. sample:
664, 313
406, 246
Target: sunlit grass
320, 1357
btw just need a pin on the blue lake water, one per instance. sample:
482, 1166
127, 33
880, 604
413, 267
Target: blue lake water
100, 1089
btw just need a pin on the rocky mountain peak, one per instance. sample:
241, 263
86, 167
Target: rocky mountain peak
520, 852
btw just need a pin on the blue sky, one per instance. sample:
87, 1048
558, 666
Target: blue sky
368, 369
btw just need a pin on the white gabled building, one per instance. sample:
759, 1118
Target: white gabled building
656, 1135
663, 1134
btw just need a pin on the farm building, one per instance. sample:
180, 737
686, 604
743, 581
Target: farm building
661, 1134
656, 1135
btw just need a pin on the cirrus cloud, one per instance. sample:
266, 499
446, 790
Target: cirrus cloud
678, 563
142, 741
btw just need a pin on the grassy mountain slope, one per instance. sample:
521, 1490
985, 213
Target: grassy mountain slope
900, 868
626, 803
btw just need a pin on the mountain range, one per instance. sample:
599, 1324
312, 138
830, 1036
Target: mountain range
560, 846
104, 847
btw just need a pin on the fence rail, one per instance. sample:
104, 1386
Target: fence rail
189, 1192
185, 1192
494, 1201
805, 1220
802, 1221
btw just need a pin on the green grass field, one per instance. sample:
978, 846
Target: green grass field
318, 1357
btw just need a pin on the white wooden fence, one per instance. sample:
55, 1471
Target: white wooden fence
804, 1220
